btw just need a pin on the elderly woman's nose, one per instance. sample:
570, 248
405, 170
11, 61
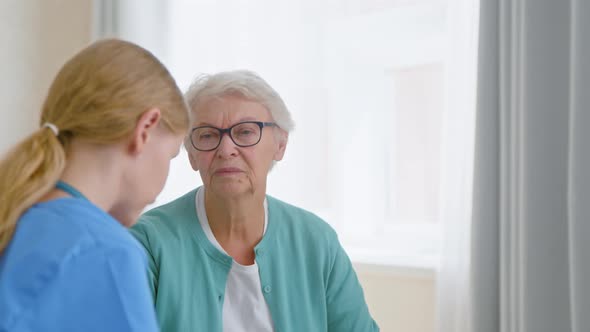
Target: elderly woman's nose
227, 146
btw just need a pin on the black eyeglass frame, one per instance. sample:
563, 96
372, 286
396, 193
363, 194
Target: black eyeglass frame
227, 131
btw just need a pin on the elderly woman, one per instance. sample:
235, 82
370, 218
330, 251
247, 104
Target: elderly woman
226, 256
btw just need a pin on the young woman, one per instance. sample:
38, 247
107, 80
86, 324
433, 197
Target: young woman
112, 120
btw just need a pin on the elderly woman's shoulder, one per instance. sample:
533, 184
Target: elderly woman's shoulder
294, 217
171, 214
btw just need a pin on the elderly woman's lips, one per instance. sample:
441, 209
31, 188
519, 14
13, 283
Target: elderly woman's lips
228, 171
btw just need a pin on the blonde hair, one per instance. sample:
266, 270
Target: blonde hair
97, 96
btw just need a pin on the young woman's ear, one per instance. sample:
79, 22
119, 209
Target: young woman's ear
145, 127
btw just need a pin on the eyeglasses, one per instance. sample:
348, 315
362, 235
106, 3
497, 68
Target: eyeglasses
243, 134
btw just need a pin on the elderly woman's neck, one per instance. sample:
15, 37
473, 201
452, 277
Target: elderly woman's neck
237, 219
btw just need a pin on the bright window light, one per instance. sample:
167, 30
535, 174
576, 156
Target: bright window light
366, 82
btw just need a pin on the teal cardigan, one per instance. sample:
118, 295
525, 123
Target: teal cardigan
306, 277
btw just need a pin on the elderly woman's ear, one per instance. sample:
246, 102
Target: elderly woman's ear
191, 157
282, 138
193, 161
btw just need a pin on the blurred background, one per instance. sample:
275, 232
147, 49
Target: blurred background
381, 91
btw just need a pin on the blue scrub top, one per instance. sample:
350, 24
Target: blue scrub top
71, 267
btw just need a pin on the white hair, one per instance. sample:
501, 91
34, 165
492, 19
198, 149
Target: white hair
246, 84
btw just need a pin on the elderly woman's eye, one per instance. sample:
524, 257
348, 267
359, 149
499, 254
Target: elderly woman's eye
205, 136
245, 132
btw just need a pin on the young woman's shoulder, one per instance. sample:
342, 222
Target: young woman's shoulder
60, 244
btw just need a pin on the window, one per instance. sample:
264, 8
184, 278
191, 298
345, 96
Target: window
367, 83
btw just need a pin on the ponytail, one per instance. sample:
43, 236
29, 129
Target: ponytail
27, 173
97, 96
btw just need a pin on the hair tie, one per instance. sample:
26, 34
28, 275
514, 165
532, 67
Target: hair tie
52, 127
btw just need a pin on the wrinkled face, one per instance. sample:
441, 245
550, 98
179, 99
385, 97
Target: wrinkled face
230, 171
147, 175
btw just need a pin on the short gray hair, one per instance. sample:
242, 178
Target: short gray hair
246, 84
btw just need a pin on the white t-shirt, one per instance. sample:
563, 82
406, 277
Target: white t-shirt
244, 307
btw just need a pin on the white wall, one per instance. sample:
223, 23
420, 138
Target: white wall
38, 36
